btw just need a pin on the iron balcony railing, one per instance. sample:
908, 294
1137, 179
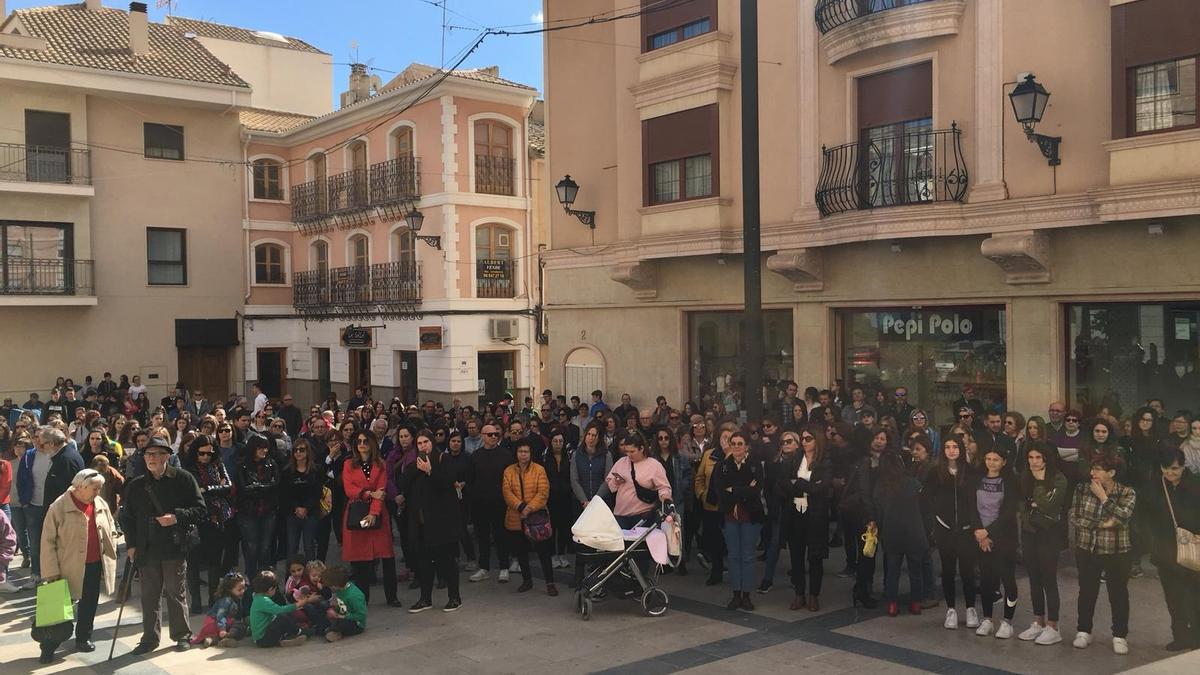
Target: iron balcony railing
495, 175
357, 290
395, 180
833, 13
44, 164
45, 276
309, 201
495, 278
348, 191
912, 168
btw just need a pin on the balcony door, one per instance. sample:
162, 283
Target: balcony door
896, 143
37, 258
47, 147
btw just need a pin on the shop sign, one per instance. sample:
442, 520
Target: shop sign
493, 269
357, 337
948, 326
431, 337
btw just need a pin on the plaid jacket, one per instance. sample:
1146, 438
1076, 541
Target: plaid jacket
1087, 512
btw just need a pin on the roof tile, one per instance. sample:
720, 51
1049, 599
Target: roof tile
221, 31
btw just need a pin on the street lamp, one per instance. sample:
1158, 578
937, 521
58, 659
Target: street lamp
1029, 99
567, 190
415, 220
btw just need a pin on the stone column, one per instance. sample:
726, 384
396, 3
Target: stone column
1036, 358
987, 173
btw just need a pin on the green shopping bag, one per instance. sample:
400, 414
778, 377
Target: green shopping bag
53, 604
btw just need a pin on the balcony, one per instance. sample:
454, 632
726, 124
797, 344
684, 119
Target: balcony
495, 278
495, 175
384, 289
915, 168
395, 181
45, 278
45, 169
851, 26
309, 201
348, 192
347, 199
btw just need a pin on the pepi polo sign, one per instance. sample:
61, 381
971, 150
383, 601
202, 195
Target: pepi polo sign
358, 337
932, 326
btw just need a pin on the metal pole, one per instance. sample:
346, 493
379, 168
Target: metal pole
752, 328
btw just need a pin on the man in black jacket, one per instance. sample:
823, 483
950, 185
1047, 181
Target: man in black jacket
291, 416
159, 507
485, 480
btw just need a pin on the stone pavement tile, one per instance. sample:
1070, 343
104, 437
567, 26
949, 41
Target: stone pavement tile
798, 656
1187, 662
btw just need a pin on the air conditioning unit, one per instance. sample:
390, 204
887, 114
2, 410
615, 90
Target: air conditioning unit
502, 329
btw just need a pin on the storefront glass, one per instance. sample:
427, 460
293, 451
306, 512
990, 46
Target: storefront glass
1120, 355
714, 342
932, 352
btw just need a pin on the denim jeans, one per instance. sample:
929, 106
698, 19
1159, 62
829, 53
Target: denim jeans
302, 530
257, 540
773, 546
34, 516
891, 576
741, 539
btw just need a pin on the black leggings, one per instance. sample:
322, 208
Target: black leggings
562, 517
1041, 559
712, 541
957, 551
996, 568
520, 546
430, 562
364, 574
796, 526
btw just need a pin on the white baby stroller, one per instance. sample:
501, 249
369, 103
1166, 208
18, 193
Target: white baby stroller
618, 557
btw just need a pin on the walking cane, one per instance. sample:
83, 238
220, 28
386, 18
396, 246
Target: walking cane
126, 579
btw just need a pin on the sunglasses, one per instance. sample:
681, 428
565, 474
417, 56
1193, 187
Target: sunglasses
1072, 419
225, 431
664, 438
204, 453
363, 441
789, 439
964, 417
276, 426
294, 450
806, 438
492, 433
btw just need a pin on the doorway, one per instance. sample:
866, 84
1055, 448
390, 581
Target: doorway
272, 370
497, 370
205, 369
323, 385
360, 370
48, 146
407, 377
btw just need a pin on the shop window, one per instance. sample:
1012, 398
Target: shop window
714, 342
932, 352
1120, 355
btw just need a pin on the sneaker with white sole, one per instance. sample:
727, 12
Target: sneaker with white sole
985, 628
1049, 636
479, 575
951, 619
503, 577
7, 586
972, 618
1035, 629
566, 561
514, 566
1120, 646
1005, 631
1082, 640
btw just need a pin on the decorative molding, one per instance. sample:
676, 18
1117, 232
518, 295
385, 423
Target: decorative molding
1152, 140
992, 191
640, 276
902, 24
1024, 256
1154, 200
686, 46
802, 266
449, 144
715, 76
685, 204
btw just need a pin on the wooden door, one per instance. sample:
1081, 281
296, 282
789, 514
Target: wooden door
206, 369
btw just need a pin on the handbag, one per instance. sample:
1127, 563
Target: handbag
870, 541
53, 604
186, 537
1187, 544
326, 501
644, 494
536, 525
356, 511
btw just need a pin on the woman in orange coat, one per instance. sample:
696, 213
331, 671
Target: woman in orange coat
369, 538
526, 491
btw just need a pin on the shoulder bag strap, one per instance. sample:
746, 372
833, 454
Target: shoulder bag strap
1169, 507
158, 506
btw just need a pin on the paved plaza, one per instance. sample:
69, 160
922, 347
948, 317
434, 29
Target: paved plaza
499, 631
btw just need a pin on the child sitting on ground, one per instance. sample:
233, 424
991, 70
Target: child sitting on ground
311, 616
222, 625
348, 608
315, 569
271, 624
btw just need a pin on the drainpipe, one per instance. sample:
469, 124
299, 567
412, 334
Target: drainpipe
533, 368
246, 213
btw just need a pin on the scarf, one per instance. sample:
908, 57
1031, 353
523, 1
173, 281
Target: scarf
804, 472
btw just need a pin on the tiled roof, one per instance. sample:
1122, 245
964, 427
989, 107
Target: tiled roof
99, 39
537, 138
222, 32
261, 119
417, 72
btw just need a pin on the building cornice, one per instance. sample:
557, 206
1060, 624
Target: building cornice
902, 24
713, 76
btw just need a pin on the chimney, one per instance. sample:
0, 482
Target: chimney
139, 29
362, 85
92, 5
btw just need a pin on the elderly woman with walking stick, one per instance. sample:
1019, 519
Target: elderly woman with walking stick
79, 544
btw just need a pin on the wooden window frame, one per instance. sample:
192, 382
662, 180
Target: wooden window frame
265, 187
1131, 96
683, 178
152, 146
270, 267
673, 19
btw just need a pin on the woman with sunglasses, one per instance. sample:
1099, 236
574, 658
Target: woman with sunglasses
458, 462
433, 521
300, 500
918, 420
368, 540
217, 552
402, 455
738, 484
679, 474
803, 481
257, 503
277, 427
557, 461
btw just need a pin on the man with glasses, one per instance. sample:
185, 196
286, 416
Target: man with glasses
199, 406
994, 422
290, 415
159, 506
563, 424
135, 466
901, 406
1055, 424
858, 400
474, 440
485, 479
1068, 441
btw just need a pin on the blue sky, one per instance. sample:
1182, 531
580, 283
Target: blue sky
389, 33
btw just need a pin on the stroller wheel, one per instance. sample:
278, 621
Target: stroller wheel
655, 601
584, 605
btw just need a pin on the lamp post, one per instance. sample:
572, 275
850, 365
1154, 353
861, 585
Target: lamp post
752, 318
568, 190
415, 220
1029, 99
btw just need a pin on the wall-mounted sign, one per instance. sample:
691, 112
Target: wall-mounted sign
357, 337
949, 326
431, 337
493, 269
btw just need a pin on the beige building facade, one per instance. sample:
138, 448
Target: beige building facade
912, 235
116, 210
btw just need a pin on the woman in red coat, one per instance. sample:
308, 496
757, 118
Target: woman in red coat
364, 479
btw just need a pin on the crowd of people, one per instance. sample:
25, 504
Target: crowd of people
211, 497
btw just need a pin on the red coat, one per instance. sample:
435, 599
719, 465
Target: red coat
362, 545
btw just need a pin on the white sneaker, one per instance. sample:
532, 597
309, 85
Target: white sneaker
1035, 629
1120, 646
972, 618
566, 561
951, 619
1005, 631
559, 562
1049, 636
1082, 640
514, 566
7, 586
985, 628
479, 575
503, 577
